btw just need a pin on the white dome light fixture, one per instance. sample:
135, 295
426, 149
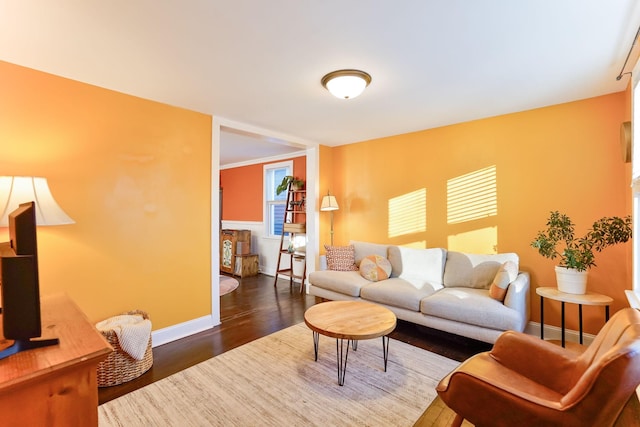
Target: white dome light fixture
346, 84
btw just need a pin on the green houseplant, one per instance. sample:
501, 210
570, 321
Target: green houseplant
577, 254
296, 183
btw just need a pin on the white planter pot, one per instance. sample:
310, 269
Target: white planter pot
571, 280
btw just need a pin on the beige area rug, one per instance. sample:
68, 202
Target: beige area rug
274, 381
227, 284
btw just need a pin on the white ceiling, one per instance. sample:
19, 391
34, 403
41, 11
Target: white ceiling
259, 62
238, 147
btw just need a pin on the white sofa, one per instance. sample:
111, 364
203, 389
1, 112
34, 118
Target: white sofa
440, 289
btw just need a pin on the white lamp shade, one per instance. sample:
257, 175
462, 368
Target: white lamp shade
346, 87
329, 203
346, 84
21, 189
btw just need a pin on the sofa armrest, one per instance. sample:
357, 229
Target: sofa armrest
517, 297
540, 361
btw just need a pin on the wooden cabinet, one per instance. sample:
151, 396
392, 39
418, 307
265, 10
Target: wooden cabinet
56, 385
232, 243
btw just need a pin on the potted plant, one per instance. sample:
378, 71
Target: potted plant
296, 184
577, 254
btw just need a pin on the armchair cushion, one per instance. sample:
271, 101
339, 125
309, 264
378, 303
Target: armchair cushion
552, 366
482, 371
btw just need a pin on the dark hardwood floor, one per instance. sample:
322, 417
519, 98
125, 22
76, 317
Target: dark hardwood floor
257, 309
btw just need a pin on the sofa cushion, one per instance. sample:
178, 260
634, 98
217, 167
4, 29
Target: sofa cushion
340, 258
474, 270
506, 274
418, 266
344, 282
363, 249
397, 293
375, 267
471, 306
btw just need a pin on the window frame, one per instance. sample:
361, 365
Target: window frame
269, 189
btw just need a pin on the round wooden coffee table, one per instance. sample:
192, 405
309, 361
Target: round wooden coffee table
350, 321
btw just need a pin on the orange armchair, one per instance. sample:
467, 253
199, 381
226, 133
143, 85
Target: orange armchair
525, 381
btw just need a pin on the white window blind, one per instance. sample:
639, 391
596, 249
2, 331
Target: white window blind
275, 203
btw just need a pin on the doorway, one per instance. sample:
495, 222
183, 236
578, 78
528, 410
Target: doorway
235, 145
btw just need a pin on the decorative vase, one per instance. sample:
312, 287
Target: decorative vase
571, 280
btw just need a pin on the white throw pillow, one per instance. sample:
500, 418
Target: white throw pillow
422, 266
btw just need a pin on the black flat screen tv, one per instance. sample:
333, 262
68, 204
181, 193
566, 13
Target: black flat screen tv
19, 282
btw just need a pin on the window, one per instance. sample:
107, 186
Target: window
275, 203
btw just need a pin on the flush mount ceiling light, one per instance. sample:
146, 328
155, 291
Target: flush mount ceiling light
346, 84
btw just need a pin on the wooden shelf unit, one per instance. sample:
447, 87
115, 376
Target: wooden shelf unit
294, 223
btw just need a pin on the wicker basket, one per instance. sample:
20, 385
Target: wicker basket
119, 367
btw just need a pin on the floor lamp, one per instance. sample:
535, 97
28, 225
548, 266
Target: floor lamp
329, 204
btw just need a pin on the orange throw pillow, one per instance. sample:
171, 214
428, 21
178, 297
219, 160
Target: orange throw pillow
505, 275
375, 267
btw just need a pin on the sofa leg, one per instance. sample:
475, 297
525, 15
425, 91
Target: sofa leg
457, 421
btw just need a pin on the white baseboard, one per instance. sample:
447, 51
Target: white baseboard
181, 330
269, 271
555, 333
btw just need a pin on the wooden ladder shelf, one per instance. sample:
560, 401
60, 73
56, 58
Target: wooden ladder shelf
294, 223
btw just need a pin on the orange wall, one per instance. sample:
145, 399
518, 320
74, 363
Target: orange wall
243, 190
564, 157
134, 175
325, 183
242, 193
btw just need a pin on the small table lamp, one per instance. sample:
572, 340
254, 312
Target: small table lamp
330, 204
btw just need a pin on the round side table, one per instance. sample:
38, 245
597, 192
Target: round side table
589, 298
